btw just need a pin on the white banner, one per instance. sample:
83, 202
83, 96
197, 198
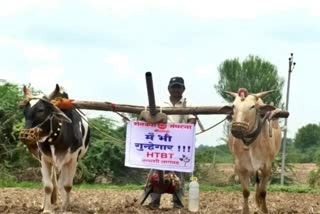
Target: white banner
160, 146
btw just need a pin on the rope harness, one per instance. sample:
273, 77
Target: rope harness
213, 126
109, 137
251, 137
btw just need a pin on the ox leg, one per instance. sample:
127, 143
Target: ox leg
245, 184
261, 191
46, 170
54, 194
66, 181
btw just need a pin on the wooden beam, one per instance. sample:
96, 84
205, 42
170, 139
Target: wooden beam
107, 106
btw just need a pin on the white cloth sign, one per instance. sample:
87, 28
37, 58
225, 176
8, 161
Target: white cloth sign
160, 146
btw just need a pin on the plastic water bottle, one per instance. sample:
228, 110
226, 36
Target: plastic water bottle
194, 195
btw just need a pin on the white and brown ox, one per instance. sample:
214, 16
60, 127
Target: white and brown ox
255, 140
58, 139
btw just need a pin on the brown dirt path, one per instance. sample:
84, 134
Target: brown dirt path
14, 200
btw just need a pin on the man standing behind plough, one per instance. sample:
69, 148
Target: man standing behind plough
176, 88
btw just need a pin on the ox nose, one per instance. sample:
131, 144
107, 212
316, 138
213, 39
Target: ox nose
30, 136
239, 129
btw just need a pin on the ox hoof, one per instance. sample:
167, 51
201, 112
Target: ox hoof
264, 210
245, 210
258, 211
65, 208
48, 212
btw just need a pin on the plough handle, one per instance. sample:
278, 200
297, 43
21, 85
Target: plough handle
152, 103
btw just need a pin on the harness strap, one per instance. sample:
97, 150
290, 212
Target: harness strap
212, 126
254, 134
109, 137
121, 115
199, 123
53, 134
49, 117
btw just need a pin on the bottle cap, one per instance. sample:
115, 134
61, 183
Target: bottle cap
193, 178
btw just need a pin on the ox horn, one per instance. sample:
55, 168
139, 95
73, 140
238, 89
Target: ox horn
26, 91
263, 94
231, 93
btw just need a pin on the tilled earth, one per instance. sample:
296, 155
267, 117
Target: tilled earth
14, 200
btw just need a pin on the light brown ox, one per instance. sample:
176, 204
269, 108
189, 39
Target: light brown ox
255, 140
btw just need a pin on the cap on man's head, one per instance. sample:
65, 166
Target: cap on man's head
176, 81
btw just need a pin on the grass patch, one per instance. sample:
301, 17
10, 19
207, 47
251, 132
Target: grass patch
29, 185
293, 189
271, 188
203, 188
109, 187
38, 185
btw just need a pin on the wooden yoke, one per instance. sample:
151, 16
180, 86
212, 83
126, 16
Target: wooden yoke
152, 116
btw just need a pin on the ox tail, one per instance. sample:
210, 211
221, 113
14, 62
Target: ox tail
54, 179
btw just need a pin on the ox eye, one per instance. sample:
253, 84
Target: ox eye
40, 111
252, 107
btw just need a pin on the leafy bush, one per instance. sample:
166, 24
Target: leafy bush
209, 154
7, 179
214, 176
276, 172
314, 178
103, 158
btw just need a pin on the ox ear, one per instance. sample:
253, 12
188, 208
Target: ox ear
265, 108
263, 94
60, 115
26, 91
57, 89
58, 92
226, 110
55, 92
233, 94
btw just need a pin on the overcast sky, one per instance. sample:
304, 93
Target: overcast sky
100, 50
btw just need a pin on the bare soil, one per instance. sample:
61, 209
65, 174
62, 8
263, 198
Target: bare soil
15, 200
